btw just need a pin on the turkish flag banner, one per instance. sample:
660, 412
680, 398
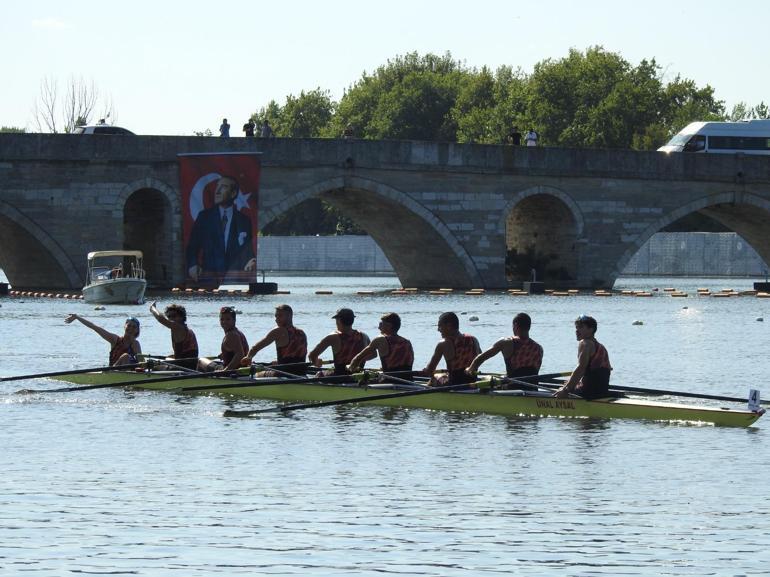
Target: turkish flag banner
220, 199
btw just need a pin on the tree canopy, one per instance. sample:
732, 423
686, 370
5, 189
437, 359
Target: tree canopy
589, 98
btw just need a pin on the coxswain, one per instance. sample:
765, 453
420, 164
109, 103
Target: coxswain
234, 345
591, 378
345, 342
522, 355
183, 341
290, 345
457, 349
124, 350
395, 352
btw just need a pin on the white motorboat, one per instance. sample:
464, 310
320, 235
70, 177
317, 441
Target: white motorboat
115, 277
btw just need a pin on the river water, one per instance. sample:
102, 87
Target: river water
138, 483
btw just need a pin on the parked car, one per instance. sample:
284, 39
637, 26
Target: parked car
101, 129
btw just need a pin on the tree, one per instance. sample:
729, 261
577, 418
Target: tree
410, 97
305, 116
55, 111
13, 129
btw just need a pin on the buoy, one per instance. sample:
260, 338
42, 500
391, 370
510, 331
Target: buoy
637, 323
99, 308
473, 318
685, 308
760, 319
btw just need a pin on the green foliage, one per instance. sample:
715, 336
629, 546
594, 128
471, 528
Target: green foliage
13, 129
305, 116
592, 98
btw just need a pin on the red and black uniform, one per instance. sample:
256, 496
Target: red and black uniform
400, 357
526, 358
351, 344
291, 357
119, 348
596, 380
227, 356
186, 349
465, 350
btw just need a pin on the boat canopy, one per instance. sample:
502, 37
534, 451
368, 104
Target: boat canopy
106, 253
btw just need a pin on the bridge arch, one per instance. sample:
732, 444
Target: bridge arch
30, 257
543, 228
149, 210
744, 213
421, 248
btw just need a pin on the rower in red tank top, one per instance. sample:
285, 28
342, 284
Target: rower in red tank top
522, 355
183, 340
457, 349
345, 343
124, 350
234, 346
395, 352
290, 345
591, 378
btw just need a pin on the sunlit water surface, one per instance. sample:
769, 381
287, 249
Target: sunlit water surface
137, 483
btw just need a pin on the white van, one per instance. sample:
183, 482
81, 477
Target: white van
745, 137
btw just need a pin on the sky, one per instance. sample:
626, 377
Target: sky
173, 68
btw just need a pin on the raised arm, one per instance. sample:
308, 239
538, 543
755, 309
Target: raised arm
161, 318
106, 335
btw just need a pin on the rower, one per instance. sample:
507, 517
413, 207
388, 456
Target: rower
234, 345
591, 378
522, 355
345, 342
396, 353
124, 350
457, 349
183, 340
290, 345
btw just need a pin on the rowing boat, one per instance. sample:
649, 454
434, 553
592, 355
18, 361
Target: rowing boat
481, 400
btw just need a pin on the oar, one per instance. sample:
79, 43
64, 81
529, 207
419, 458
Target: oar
294, 380
298, 407
659, 392
144, 381
75, 372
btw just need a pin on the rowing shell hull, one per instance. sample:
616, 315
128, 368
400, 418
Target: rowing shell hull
495, 402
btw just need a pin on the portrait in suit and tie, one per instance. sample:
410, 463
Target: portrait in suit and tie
220, 248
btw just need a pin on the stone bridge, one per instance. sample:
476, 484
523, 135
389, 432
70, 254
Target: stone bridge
444, 214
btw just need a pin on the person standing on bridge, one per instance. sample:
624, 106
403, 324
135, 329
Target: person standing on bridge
345, 342
396, 353
457, 349
522, 355
248, 128
591, 378
531, 137
221, 239
224, 129
124, 350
